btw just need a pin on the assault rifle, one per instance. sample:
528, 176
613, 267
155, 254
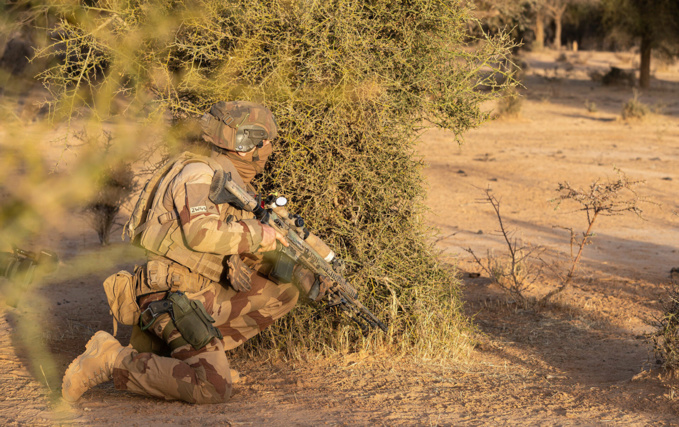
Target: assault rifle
19, 266
305, 248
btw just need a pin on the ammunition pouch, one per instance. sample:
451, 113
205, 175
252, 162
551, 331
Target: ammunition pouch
189, 317
166, 276
121, 293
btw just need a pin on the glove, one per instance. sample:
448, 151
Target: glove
239, 274
314, 285
320, 287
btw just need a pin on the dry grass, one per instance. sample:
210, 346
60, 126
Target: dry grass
510, 104
634, 110
114, 184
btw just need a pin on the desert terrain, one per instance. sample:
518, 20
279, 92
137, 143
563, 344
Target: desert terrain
583, 360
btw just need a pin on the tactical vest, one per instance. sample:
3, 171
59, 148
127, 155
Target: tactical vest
155, 226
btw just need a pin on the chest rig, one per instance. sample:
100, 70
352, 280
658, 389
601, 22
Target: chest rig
154, 224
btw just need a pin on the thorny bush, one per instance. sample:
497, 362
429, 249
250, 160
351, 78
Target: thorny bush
665, 338
351, 83
516, 271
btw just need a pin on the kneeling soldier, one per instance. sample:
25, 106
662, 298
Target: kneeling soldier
205, 288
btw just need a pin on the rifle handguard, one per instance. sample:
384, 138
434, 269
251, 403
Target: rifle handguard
314, 241
319, 246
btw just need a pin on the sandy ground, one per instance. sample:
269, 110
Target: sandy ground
582, 361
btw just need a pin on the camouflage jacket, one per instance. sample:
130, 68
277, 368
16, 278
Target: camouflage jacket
185, 226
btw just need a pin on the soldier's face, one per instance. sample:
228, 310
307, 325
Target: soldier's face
265, 142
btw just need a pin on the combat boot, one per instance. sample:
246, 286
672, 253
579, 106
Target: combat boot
94, 366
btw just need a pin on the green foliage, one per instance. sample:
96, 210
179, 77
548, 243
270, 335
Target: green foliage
501, 15
657, 20
350, 82
654, 23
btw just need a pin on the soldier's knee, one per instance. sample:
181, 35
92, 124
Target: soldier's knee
215, 390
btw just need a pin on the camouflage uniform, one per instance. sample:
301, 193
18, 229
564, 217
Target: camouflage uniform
203, 375
204, 259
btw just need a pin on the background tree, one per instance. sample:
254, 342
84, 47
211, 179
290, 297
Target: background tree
540, 16
582, 23
497, 16
555, 10
525, 17
653, 23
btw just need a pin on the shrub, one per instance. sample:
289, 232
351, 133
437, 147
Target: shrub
113, 182
510, 104
634, 109
618, 77
349, 82
114, 185
665, 338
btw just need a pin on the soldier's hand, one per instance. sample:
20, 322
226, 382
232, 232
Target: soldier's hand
314, 286
320, 287
240, 275
269, 239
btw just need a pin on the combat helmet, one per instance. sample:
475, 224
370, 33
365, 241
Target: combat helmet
238, 125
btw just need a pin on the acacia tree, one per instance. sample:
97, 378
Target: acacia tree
350, 83
654, 23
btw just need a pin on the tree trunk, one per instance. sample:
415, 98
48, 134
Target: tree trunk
557, 31
539, 42
645, 66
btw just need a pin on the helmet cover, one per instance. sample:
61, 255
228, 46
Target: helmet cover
238, 125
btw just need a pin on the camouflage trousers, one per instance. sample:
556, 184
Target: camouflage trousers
203, 375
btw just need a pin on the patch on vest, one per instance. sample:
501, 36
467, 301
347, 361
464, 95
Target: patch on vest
198, 209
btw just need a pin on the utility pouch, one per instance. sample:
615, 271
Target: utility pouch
192, 320
155, 309
122, 298
282, 268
